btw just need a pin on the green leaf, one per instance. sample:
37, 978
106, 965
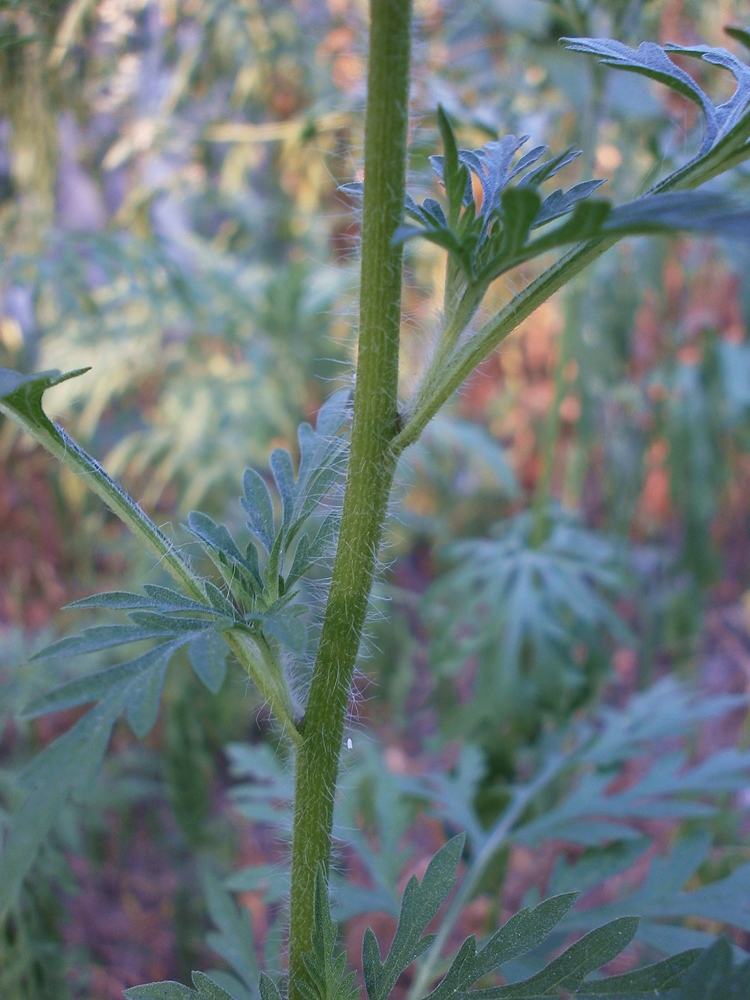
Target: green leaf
21, 399
66, 767
569, 970
219, 602
233, 938
455, 174
693, 211
114, 600
96, 686
160, 991
21, 396
288, 628
524, 931
662, 976
91, 640
520, 207
714, 978
208, 658
167, 599
208, 989
329, 979
268, 988
205, 989
419, 905
258, 506
271, 880
741, 35
144, 696
283, 474
216, 536
166, 625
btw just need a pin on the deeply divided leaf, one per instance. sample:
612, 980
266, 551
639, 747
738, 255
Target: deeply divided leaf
420, 903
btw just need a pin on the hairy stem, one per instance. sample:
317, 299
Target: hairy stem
371, 465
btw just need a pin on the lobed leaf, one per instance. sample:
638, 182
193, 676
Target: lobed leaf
652, 979
96, 686
329, 979
570, 969
208, 657
258, 506
524, 931
99, 637
420, 903
233, 938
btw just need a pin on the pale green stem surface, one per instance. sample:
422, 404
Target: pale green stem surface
371, 466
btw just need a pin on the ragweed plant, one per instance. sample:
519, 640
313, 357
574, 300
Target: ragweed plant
495, 216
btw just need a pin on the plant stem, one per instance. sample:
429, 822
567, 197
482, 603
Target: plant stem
371, 465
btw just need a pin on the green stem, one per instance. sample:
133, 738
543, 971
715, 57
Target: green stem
727, 153
371, 465
475, 350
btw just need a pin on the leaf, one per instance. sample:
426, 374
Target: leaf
207, 989
21, 396
569, 970
524, 931
215, 536
283, 474
144, 695
650, 60
696, 211
712, 977
288, 628
21, 399
233, 939
528, 609
454, 175
91, 640
114, 600
329, 979
95, 686
258, 507
420, 903
168, 600
662, 976
560, 202
221, 605
208, 658
741, 35
520, 207
453, 795
66, 767
268, 989
160, 991
165, 625
271, 880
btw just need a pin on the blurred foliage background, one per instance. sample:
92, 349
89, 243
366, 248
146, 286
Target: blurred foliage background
574, 527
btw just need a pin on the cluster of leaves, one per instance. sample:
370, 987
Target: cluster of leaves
689, 974
493, 237
577, 796
255, 600
535, 619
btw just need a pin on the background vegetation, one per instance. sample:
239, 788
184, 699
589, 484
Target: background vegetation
569, 546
